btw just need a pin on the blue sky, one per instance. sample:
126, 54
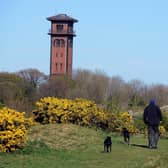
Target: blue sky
125, 38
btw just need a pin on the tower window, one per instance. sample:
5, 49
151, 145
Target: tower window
59, 28
62, 43
70, 42
61, 54
70, 28
56, 54
56, 43
61, 66
56, 66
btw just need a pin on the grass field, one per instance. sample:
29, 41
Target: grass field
70, 146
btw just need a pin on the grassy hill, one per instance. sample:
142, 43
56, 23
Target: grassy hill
70, 146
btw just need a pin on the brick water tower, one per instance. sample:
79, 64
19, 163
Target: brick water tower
61, 49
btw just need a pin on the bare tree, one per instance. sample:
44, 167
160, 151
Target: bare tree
57, 86
34, 76
158, 92
91, 85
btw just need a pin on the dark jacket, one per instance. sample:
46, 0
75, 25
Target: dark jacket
152, 115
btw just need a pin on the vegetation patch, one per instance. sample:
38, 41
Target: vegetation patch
64, 136
81, 112
89, 152
13, 129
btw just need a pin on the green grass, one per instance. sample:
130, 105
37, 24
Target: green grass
69, 146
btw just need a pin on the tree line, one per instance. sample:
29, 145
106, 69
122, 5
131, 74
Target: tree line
20, 90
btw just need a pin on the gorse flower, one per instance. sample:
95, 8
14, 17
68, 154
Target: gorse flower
81, 112
13, 129
162, 131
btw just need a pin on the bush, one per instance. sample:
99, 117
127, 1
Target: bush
162, 131
78, 111
81, 112
2, 105
127, 121
165, 121
13, 129
139, 124
142, 127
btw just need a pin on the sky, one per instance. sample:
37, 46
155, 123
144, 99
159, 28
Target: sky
124, 38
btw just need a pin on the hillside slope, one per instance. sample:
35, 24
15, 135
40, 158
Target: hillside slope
72, 146
65, 136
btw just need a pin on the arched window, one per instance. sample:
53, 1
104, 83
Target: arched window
62, 43
56, 43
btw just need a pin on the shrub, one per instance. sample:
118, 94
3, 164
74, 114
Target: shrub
13, 129
162, 131
165, 121
81, 112
78, 111
127, 121
139, 124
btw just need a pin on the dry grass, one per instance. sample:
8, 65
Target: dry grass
64, 136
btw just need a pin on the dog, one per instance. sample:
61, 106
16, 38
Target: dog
126, 135
107, 144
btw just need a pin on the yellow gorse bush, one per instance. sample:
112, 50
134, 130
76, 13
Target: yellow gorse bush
126, 120
78, 111
13, 129
162, 131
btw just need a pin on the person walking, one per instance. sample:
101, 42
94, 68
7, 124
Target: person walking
152, 117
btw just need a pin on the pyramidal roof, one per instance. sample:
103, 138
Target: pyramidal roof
62, 17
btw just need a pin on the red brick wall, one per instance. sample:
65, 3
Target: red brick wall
61, 57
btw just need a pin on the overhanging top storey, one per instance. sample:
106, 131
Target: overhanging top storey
62, 18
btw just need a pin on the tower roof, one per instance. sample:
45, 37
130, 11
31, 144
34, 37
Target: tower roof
62, 17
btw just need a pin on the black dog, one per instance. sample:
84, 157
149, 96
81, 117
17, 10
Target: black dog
126, 135
107, 144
